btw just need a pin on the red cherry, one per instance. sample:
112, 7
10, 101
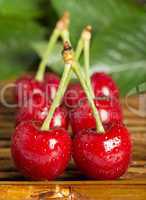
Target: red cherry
82, 117
103, 156
38, 154
51, 81
26, 86
74, 95
37, 109
103, 85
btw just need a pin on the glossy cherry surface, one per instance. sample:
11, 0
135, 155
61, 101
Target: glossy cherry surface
37, 109
26, 86
51, 81
103, 156
74, 95
104, 85
40, 155
82, 117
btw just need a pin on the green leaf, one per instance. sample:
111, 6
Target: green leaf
19, 30
15, 8
119, 42
17, 34
124, 56
99, 14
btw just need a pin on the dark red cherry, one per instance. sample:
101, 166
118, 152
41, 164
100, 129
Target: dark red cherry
103, 156
104, 85
40, 155
37, 109
51, 81
82, 117
74, 95
26, 87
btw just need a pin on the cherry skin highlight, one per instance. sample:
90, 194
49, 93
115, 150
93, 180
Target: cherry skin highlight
37, 109
40, 155
104, 85
82, 117
103, 156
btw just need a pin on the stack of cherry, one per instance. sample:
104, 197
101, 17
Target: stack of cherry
41, 144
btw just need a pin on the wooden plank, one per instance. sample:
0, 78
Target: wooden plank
5, 153
110, 192
88, 190
9, 172
6, 165
86, 182
5, 143
35, 192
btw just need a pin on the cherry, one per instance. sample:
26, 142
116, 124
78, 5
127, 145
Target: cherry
103, 156
38, 154
37, 109
74, 95
103, 85
51, 81
26, 86
82, 117
43, 153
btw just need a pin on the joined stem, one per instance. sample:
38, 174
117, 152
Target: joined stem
66, 38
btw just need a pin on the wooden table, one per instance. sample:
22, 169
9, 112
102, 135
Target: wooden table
73, 185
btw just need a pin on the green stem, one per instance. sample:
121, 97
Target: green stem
66, 77
41, 70
87, 64
65, 36
79, 74
79, 49
60, 92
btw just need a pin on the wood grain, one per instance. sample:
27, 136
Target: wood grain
89, 190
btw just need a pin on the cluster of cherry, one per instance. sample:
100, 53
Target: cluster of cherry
48, 106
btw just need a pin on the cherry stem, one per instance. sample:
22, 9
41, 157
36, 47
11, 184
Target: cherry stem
65, 36
86, 35
60, 29
79, 74
84, 44
43, 63
67, 53
79, 49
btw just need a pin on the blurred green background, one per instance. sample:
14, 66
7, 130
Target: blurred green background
118, 44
